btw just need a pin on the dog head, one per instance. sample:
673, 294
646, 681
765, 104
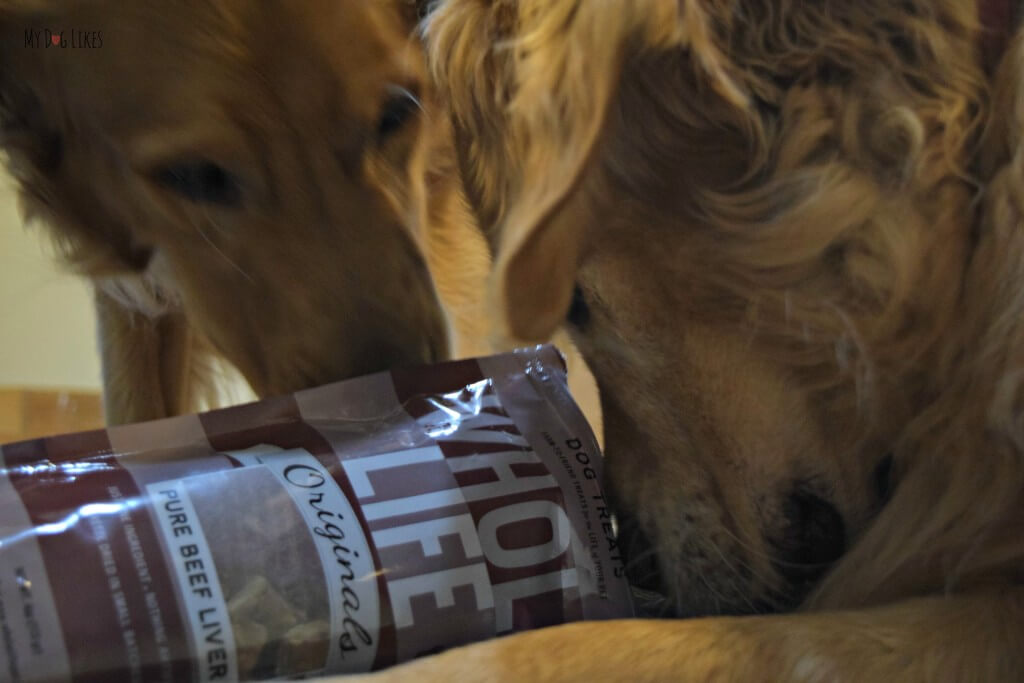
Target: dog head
756, 218
250, 163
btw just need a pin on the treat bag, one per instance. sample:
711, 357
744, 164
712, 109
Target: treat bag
340, 529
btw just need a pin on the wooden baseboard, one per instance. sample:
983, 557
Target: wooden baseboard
27, 413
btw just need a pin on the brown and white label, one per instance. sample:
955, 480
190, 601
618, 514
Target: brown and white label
344, 554
195, 571
31, 640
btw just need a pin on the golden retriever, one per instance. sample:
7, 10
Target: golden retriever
237, 179
795, 233
267, 183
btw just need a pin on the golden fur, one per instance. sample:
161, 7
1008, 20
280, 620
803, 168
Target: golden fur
277, 279
798, 228
322, 270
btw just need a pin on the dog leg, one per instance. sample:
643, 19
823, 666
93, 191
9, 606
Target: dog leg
962, 638
145, 362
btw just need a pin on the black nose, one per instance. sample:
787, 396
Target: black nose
813, 537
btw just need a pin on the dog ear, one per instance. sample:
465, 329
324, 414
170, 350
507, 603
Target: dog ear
55, 182
32, 144
530, 83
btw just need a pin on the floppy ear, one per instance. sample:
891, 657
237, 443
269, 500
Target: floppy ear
39, 121
530, 83
23, 132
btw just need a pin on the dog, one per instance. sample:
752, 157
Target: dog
234, 178
227, 196
788, 240
266, 184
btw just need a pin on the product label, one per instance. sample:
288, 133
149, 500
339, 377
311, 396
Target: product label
344, 530
344, 554
484, 532
31, 641
196, 573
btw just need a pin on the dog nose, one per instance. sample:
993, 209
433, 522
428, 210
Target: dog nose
813, 537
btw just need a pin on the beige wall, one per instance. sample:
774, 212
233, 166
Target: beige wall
47, 329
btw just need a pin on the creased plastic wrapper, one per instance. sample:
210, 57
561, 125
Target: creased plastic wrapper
341, 529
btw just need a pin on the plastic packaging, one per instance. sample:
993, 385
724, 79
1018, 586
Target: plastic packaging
340, 529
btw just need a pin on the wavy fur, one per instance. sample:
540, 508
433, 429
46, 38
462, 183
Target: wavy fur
276, 283
799, 228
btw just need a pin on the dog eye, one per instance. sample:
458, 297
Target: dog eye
400, 106
579, 312
813, 537
202, 182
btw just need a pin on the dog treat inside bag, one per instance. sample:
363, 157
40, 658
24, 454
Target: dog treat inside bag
340, 529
